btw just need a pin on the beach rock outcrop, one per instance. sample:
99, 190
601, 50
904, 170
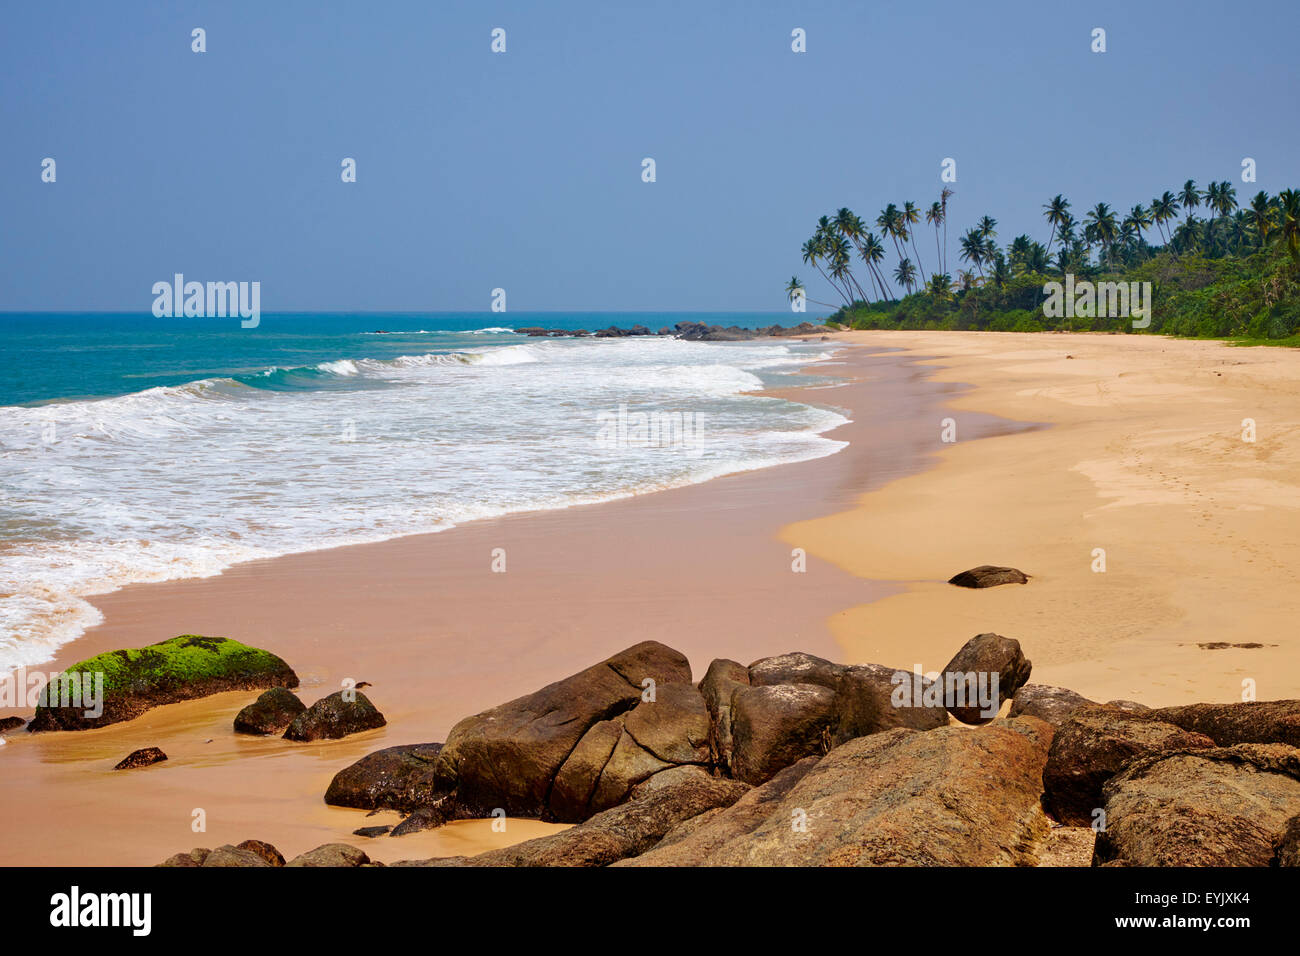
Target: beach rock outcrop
618, 833
144, 757
135, 681
395, 778
1257, 722
331, 854
509, 756
1221, 806
250, 853
232, 856
988, 576
871, 698
720, 682
263, 849
1094, 744
1288, 848
775, 725
271, 713
1052, 704
10, 723
902, 797
616, 755
335, 717
971, 671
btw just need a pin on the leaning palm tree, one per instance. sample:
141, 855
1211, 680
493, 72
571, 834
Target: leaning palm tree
912, 216
890, 222
1055, 213
794, 289
873, 253
813, 254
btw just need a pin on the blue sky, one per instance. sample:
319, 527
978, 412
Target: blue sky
523, 170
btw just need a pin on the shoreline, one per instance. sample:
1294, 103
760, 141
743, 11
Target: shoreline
695, 567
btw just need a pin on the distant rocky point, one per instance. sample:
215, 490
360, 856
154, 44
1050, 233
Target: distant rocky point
690, 331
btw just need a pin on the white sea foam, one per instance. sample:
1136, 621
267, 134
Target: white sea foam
185, 481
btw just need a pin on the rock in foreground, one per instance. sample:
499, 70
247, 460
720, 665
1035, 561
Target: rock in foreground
270, 714
1227, 806
988, 576
141, 758
335, 717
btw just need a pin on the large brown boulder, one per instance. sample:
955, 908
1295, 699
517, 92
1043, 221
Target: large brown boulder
233, 856
969, 677
1220, 806
944, 797
614, 756
395, 778
988, 576
335, 717
620, 832
331, 854
1094, 744
795, 668
774, 726
509, 756
272, 713
721, 681
870, 698
691, 842
1052, 704
1258, 722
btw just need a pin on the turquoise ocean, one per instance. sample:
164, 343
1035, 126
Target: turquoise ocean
138, 449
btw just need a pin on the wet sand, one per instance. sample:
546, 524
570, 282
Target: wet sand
440, 636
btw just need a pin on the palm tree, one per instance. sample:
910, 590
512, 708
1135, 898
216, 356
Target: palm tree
813, 252
873, 253
1140, 219
1101, 222
890, 222
944, 195
966, 279
1288, 201
1000, 273
848, 226
935, 217
972, 249
1260, 216
905, 273
1056, 211
911, 216
1190, 197
940, 287
1222, 198
1164, 210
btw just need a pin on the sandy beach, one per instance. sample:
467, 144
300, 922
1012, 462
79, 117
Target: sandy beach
1065, 444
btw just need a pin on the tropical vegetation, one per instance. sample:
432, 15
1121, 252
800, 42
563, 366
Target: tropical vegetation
1218, 267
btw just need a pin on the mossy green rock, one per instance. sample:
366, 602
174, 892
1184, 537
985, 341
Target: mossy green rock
182, 668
